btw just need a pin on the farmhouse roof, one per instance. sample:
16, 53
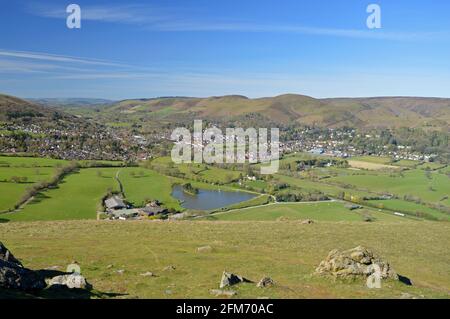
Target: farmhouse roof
114, 202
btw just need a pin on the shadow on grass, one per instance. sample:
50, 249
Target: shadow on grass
39, 198
405, 280
3, 221
56, 291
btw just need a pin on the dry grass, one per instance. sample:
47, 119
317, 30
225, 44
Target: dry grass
371, 166
286, 251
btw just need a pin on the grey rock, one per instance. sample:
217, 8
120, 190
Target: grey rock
148, 274
70, 281
265, 282
229, 279
222, 293
169, 268
14, 276
354, 263
6, 255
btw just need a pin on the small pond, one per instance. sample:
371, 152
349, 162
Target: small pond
209, 199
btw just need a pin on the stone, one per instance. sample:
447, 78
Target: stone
6, 255
204, 249
354, 263
148, 274
72, 281
120, 271
222, 293
15, 276
169, 268
265, 282
307, 222
229, 279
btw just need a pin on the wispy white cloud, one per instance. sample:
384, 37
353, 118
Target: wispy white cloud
153, 18
56, 58
128, 13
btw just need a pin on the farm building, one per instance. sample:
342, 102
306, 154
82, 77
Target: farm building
114, 203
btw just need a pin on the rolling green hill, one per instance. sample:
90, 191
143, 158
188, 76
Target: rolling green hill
392, 112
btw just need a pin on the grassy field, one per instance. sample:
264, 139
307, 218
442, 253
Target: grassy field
77, 197
286, 251
414, 182
370, 165
323, 211
373, 159
150, 185
10, 161
404, 206
11, 192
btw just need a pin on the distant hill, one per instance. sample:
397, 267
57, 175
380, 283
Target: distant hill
14, 110
380, 112
71, 102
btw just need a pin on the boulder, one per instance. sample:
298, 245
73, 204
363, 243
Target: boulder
229, 279
6, 255
15, 276
265, 282
355, 263
70, 281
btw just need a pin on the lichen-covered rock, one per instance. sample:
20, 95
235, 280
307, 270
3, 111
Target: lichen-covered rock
6, 255
14, 276
70, 281
354, 263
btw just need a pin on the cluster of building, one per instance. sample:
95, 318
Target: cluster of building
117, 209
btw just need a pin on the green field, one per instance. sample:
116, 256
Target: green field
413, 208
414, 182
332, 211
373, 159
29, 161
76, 197
12, 192
286, 251
150, 185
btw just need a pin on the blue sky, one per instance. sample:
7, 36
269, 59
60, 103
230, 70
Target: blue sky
130, 49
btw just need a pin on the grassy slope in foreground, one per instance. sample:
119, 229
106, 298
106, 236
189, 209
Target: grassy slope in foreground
286, 251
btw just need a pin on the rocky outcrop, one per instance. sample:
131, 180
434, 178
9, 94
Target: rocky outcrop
354, 263
14, 276
6, 255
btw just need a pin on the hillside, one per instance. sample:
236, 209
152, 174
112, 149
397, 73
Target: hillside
18, 111
287, 251
71, 102
383, 112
